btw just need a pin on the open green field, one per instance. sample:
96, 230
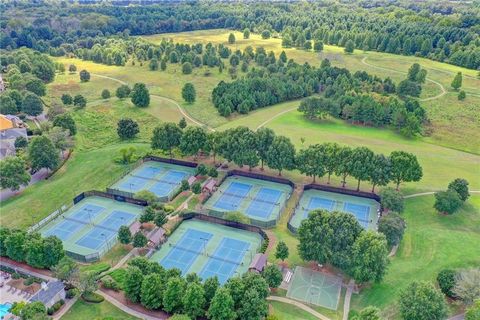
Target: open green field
431, 243
288, 312
105, 310
446, 112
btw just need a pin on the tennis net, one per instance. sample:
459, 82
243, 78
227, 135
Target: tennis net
224, 260
93, 224
186, 249
158, 180
247, 197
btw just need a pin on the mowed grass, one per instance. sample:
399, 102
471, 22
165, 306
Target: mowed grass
82, 310
432, 242
451, 119
285, 311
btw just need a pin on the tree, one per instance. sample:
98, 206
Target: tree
253, 306
379, 173
460, 186
392, 226
127, 128
349, 46
20, 142
140, 96
160, 218
124, 235
34, 252
265, 137
222, 306
42, 154
65, 121
15, 245
52, 251
344, 164
328, 237
391, 200
196, 188
139, 240
369, 257
246, 33
265, 34
405, 167
318, 46
87, 283
211, 286
194, 300
67, 99
446, 279
32, 105
36, 86
189, 93
132, 285
361, 164
105, 94
473, 312
13, 173
272, 275
66, 270
34, 311
147, 215
173, 294
182, 124
447, 201
368, 313
163, 65
281, 252
461, 95
310, 161
122, 92
409, 88
72, 68
281, 154
166, 137
79, 101
467, 285
237, 217
422, 301
7, 105
413, 72
457, 81
84, 76
60, 138
151, 293
153, 65
193, 140
231, 38
187, 68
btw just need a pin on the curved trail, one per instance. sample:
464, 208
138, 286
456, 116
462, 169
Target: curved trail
364, 61
430, 193
182, 111
275, 116
299, 305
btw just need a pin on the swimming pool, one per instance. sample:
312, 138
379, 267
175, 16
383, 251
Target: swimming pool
4, 307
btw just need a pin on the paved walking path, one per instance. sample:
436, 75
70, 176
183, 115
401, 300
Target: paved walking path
458, 317
127, 309
26, 271
299, 305
348, 296
430, 193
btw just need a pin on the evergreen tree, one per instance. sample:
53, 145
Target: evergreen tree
140, 96
349, 46
281, 252
457, 81
188, 93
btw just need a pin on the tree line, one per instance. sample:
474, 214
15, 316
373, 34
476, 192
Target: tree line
443, 32
245, 147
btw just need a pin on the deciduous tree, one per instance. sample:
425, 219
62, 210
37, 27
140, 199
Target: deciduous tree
151, 293
422, 301
140, 96
194, 300
13, 173
281, 251
127, 128
405, 167
281, 154
166, 137
369, 257
42, 154
222, 306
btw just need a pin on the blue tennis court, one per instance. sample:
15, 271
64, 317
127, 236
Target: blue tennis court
134, 184
148, 172
97, 238
168, 182
318, 203
264, 203
64, 229
225, 260
233, 196
116, 219
186, 250
361, 212
86, 213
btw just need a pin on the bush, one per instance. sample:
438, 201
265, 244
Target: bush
237, 217
446, 281
71, 293
16, 275
109, 283
393, 227
28, 281
202, 170
461, 187
105, 94
196, 188
184, 186
391, 200
168, 209
461, 95
92, 297
213, 172
447, 201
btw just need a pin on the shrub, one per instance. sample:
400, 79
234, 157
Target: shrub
391, 200
447, 201
105, 94
202, 170
16, 275
184, 186
92, 297
446, 281
109, 283
168, 209
213, 172
196, 188
461, 187
237, 217
71, 293
28, 281
393, 227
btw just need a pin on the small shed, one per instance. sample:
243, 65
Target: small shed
135, 227
191, 180
156, 238
210, 186
50, 293
259, 263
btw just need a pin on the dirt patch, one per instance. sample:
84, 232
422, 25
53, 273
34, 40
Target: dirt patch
69, 86
18, 284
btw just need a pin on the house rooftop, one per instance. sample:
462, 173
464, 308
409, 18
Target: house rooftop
258, 263
46, 295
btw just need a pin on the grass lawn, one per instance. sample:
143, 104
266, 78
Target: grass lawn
453, 115
82, 310
431, 243
285, 311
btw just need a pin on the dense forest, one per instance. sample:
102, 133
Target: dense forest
443, 31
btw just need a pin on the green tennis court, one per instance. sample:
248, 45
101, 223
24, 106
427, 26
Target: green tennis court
162, 179
262, 201
209, 250
365, 210
89, 228
315, 287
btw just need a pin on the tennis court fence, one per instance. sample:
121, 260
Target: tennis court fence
348, 192
260, 176
170, 161
52, 216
